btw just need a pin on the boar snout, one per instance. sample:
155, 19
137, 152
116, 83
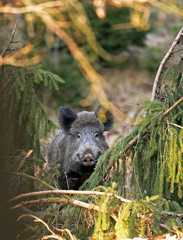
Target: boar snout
89, 159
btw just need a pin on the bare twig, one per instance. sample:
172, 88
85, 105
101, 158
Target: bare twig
172, 107
69, 192
173, 214
176, 125
11, 39
167, 228
168, 54
24, 160
53, 235
65, 230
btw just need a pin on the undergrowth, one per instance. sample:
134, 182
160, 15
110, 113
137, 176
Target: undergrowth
23, 120
145, 167
154, 159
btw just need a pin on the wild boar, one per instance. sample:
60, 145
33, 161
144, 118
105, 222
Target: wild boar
78, 145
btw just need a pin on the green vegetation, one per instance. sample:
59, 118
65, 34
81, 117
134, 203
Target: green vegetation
75, 87
156, 155
60, 61
23, 119
115, 41
145, 167
153, 154
138, 218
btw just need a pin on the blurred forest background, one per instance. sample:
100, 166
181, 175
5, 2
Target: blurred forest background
81, 54
124, 42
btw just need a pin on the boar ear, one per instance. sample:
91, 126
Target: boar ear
66, 117
106, 117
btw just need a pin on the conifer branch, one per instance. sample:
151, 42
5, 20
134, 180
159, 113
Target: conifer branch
165, 114
166, 57
134, 140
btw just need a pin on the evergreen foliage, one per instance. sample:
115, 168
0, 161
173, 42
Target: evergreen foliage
148, 217
76, 86
23, 119
38, 124
114, 41
155, 163
156, 156
154, 159
59, 59
147, 166
144, 218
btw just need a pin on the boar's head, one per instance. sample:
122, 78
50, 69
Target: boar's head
84, 141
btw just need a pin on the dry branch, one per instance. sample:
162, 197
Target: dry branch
60, 200
24, 160
55, 200
63, 193
53, 235
65, 230
69, 192
175, 125
20, 58
173, 214
172, 107
168, 54
32, 8
75, 50
167, 228
11, 39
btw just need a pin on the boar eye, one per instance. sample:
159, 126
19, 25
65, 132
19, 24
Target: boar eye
78, 135
96, 135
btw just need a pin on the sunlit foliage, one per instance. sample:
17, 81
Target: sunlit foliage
53, 15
